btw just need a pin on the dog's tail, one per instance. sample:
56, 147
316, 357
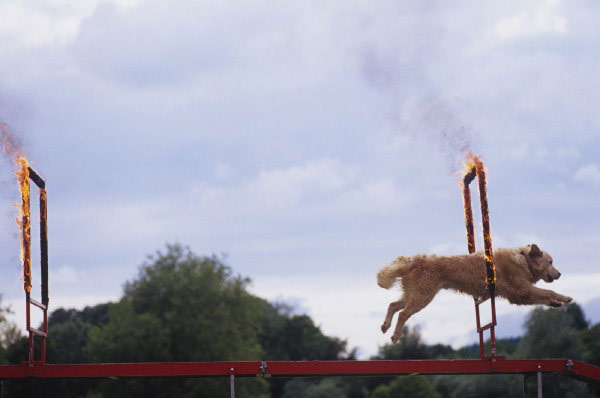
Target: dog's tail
389, 273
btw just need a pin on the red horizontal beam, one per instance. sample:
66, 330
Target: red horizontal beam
142, 369
459, 366
302, 368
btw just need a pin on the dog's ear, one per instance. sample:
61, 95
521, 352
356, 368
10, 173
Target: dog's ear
535, 251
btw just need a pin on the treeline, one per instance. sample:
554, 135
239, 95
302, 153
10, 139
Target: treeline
184, 307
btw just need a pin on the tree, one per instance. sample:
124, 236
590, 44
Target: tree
552, 333
288, 337
413, 386
339, 387
556, 333
182, 307
68, 331
591, 340
410, 346
9, 333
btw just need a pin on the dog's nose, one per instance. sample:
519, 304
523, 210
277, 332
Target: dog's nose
558, 275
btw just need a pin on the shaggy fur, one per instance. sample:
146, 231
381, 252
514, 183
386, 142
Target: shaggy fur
422, 276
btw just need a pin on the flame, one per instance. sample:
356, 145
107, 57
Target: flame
24, 220
474, 168
12, 147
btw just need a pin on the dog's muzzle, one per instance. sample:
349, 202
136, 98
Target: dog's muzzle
553, 278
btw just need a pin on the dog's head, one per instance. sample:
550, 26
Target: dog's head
540, 264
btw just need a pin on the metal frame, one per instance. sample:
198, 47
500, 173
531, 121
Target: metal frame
476, 169
25, 230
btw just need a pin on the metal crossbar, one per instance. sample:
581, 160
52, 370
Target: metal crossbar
567, 367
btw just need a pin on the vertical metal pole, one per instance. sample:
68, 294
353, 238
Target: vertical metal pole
481, 342
525, 377
43, 338
539, 384
232, 385
28, 326
44, 245
25, 229
492, 332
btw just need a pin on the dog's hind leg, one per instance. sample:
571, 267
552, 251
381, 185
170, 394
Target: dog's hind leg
413, 306
394, 307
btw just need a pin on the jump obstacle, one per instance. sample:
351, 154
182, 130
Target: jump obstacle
487, 364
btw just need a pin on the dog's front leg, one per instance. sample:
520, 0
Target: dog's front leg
535, 295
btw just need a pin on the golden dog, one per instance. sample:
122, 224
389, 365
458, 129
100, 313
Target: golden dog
422, 276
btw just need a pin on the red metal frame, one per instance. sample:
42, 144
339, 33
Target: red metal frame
566, 367
476, 169
43, 305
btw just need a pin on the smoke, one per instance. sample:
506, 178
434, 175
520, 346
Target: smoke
437, 120
11, 144
418, 109
407, 68
12, 149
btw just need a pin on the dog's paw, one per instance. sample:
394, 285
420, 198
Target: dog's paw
385, 327
395, 338
555, 303
568, 299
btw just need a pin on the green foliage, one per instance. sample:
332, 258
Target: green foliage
70, 331
287, 337
339, 387
557, 333
413, 386
504, 347
9, 333
552, 333
591, 339
475, 386
181, 308
411, 346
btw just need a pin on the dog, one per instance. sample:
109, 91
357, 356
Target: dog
423, 275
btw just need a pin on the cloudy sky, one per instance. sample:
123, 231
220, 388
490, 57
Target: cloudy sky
312, 142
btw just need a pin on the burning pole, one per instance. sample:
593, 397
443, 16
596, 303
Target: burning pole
25, 174
475, 168
41, 184
24, 222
